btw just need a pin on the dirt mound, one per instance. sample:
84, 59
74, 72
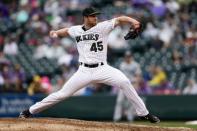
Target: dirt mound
53, 124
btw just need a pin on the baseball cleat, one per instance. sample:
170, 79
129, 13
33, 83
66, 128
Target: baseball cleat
151, 118
25, 114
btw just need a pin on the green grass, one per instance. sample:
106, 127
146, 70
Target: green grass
167, 124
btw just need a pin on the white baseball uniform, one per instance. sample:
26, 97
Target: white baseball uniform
92, 48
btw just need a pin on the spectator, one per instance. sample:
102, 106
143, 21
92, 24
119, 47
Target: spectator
23, 14
19, 72
19, 78
191, 88
191, 36
11, 47
7, 74
1, 82
130, 67
65, 60
151, 31
58, 84
67, 43
46, 85
159, 82
35, 86
166, 33
40, 51
55, 51
156, 43
158, 76
158, 8
67, 71
116, 39
177, 58
190, 55
142, 86
3, 59
1, 42
173, 6
19, 86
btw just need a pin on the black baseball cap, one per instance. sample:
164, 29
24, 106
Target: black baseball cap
90, 11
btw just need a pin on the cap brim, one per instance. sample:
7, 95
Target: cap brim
95, 13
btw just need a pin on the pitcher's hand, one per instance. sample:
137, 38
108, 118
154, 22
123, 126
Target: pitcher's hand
53, 34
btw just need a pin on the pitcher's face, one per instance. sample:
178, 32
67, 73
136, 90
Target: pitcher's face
91, 20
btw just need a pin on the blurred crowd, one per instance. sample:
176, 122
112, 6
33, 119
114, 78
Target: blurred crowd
163, 55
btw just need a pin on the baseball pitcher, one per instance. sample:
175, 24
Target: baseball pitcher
91, 40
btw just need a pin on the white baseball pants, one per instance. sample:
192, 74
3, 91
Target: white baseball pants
84, 76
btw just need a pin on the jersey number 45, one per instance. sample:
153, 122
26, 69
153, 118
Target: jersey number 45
97, 46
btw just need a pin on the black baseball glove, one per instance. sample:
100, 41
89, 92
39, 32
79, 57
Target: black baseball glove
133, 33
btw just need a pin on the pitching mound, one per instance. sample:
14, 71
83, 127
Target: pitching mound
52, 124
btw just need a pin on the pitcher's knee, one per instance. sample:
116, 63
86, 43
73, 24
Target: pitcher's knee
125, 83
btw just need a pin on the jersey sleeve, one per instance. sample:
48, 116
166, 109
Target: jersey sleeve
71, 31
107, 26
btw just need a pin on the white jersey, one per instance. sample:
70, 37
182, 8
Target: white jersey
92, 43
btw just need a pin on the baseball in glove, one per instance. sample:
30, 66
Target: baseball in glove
133, 33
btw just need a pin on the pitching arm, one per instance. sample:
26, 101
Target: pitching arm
135, 28
127, 20
59, 33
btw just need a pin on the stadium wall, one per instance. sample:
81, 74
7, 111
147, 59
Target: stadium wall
101, 107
